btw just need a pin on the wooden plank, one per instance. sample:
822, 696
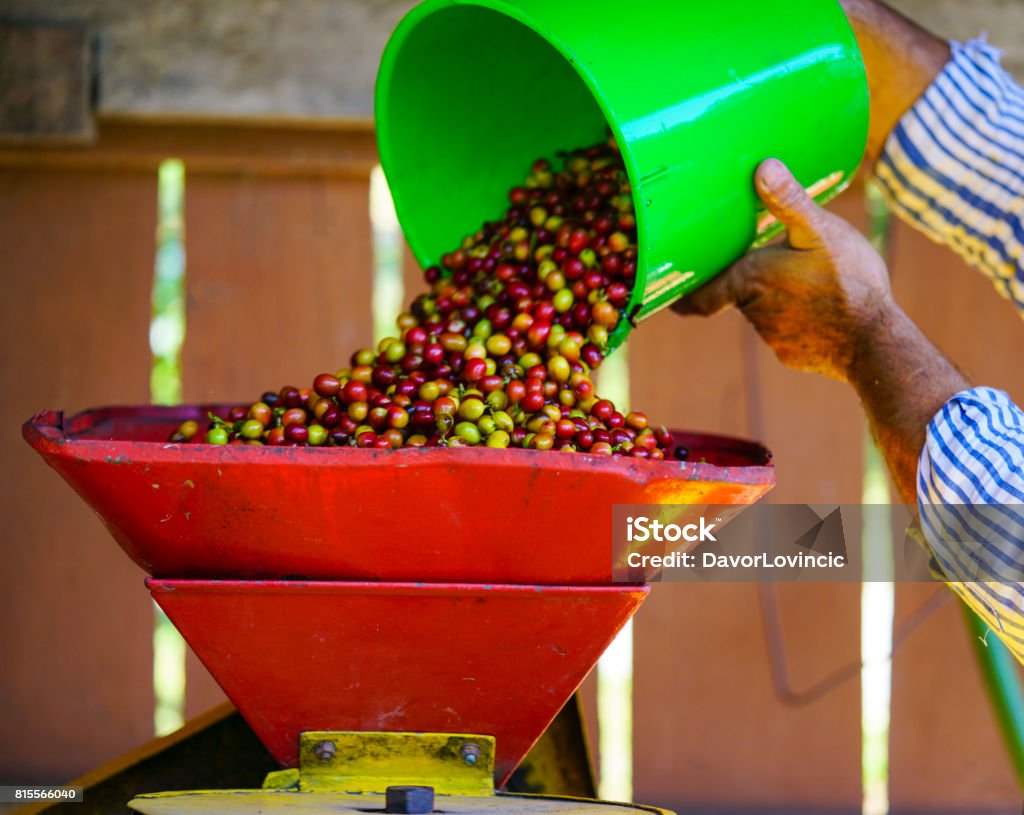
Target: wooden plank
412, 276
215, 751
216, 146
959, 311
946, 749
76, 687
688, 374
708, 726
279, 282
105, 225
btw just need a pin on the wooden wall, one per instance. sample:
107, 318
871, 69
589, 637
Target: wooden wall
279, 284
75, 623
279, 279
709, 727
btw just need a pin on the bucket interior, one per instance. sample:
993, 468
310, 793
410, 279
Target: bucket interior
467, 98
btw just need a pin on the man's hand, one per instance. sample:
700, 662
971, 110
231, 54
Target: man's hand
823, 304
812, 301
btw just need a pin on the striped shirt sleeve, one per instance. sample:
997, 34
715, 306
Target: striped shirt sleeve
954, 166
971, 502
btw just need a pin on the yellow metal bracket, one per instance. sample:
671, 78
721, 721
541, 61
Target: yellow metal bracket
357, 762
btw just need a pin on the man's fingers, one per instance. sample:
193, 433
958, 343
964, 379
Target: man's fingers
790, 203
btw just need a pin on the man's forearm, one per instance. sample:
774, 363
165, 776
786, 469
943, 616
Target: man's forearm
901, 59
903, 381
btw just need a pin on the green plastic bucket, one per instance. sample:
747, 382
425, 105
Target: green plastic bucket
470, 92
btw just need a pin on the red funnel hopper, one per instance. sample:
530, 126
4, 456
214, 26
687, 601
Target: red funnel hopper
489, 602
469, 515
446, 658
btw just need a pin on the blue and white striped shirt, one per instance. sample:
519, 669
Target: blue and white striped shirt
954, 168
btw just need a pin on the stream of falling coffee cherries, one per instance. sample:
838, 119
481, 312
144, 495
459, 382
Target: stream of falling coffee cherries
499, 352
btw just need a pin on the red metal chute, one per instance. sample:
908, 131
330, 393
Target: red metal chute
494, 660
463, 591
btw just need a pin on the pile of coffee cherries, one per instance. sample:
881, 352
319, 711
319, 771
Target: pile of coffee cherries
499, 352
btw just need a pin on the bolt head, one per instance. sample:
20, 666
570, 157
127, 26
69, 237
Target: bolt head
325, 750
409, 800
470, 753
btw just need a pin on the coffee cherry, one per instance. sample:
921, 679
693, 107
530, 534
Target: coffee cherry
217, 435
468, 432
603, 410
499, 439
445, 406
317, 435
498, 345
474, 369
397, 417
635, 420
186, 431
326, 385
252, 429
354, 392
542, 441
358, 411
591, 356
605, 314
289, 397
275, 437
564, 429
618, 242
471, 410
559, 368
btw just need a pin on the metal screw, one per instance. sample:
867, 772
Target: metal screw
325, 750
470, 753
409, 800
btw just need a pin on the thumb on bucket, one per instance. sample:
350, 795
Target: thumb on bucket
790, 203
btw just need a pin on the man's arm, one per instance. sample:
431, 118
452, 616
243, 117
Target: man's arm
902, 60
946, 142
824, 305
903, 382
